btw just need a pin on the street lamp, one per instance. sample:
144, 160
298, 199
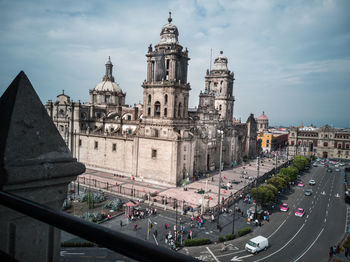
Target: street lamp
233, 219
221, 139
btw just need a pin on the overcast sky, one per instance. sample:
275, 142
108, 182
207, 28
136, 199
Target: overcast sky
291, 59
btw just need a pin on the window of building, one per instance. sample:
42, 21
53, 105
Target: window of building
325, 144
156, 132
61, 128
149, 99
129, 117
152, 70
215, 84
107, 98
129, 131
165, 99
184, 157
80, 143
346, 152
326, 136
220, 107
154, 153
165, 112
339, 145
149, 111
114, 147
96, 145
185, 148
347, 146
179, 111
157, 109
292, 143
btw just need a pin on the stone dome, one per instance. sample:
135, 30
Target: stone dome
220, 63
108, 86
169, 33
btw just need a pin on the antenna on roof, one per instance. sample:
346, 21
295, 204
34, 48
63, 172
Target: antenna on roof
211, 54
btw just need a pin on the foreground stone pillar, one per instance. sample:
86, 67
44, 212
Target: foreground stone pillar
36, 164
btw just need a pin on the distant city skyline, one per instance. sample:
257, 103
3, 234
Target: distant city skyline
290, 59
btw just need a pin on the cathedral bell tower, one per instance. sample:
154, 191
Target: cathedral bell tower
166, 91
220, 81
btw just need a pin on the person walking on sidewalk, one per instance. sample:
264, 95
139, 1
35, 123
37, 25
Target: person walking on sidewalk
166, 226
121, 223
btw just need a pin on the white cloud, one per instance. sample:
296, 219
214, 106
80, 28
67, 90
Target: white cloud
276, 49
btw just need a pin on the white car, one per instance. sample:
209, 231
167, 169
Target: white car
312, 182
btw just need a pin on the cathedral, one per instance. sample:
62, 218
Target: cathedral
161, 141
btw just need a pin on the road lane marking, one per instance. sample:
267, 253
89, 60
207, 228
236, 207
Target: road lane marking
236, 258
277, 229
309, 246
211, 253
283, 246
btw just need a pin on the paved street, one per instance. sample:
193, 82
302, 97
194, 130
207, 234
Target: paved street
293, 238
300, 239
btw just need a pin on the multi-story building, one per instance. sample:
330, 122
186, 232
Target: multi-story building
324, 142
270, 139
162, 140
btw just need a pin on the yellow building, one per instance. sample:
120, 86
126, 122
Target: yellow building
265, 140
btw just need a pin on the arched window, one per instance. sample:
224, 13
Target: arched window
149, 99
179, 111
157, 109
165, 112
165, 99
149, 111
325, 144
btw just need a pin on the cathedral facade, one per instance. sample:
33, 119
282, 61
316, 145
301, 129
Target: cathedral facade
162, 140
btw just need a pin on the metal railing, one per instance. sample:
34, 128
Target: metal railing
116, 241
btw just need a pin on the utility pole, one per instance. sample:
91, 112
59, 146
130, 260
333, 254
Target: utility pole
233, 219
175, 219
275, 163
258, 169
221, 139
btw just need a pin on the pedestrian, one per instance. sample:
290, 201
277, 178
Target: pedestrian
338, 249
166, 226
121, 223
259, 223
191, 234
330, 251
346, 252
334, 249
155, 233
135, 227
256, 222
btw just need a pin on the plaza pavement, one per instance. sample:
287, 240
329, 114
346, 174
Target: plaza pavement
242, 175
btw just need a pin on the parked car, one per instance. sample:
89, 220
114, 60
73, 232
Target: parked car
284, 207
308, 192
300, 212
312, 182
329, 170
301, 184
337, 169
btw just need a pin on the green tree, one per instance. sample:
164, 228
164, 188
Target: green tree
278, 182
300, 162
263, 194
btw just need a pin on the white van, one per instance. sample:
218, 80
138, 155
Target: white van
256, 244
